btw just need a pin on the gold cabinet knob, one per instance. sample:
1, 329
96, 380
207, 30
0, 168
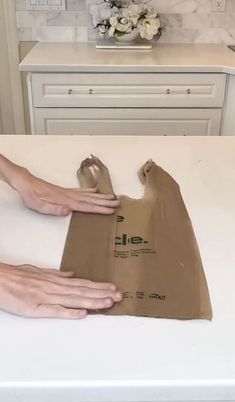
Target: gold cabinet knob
188, 91
168, 91
70, 91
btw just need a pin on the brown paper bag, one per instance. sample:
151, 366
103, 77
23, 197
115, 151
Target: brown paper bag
148, 248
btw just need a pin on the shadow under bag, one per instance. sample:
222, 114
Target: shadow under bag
148, 248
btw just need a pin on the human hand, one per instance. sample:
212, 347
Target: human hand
48, 198
35, 292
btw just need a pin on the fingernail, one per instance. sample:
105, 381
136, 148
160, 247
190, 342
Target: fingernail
65, 212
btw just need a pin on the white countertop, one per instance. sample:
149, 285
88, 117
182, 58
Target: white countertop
122, 359
80, 57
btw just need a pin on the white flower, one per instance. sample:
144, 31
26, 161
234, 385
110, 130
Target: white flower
102, 30
134, 9
124, 21
123, 16
148, 27
131, 13
150, 13
111, 31
113, 21
124, 27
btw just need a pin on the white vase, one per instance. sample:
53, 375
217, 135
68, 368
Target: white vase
128, 37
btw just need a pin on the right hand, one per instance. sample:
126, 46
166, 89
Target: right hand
35, 292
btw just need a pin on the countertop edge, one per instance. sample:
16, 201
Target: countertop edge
146, 390
117, 68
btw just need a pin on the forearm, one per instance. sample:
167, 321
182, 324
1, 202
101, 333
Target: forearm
9, 171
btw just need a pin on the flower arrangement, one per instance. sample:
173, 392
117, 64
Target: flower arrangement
116, 18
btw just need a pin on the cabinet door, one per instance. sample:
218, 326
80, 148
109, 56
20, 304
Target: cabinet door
93, 121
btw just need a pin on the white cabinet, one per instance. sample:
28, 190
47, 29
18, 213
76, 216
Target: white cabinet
126, 103
128, 90
228, 123
127, 121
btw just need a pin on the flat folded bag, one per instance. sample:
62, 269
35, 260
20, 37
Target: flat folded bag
147, 248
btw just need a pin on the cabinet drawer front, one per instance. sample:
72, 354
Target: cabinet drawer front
128, 90
127, 121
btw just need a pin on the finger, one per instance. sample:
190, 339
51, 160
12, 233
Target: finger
71, 281
63, 274
93, 209
60, 195
90, 284
57, 311
78, 194
48, 208
32, 268
77, 190
85, 190
87, 204
72, 301
85, 292
114, 203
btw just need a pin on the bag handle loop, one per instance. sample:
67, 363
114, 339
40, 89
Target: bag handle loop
94, 174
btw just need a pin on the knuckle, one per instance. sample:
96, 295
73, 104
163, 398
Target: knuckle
36, 295
83, 292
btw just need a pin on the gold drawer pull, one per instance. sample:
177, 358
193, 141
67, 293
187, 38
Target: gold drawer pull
70, 91
168, 91
189, 91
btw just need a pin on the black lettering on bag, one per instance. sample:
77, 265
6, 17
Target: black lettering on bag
120, 218
124, 240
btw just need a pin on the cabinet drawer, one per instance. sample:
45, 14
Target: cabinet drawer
127, 121
128, 90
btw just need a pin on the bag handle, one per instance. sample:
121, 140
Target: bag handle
155, 179
94, 174
147, 177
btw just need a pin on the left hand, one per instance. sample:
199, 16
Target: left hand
48, 198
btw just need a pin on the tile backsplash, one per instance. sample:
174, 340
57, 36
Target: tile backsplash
184, 21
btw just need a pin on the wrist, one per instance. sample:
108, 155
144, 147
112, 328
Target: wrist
11, 173
19, 177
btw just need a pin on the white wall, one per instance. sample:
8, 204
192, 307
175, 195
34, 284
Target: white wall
184, 21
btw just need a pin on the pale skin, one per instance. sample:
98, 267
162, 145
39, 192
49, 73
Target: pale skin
40, 292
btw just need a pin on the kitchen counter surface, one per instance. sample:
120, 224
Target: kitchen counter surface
80, 57
122, 359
